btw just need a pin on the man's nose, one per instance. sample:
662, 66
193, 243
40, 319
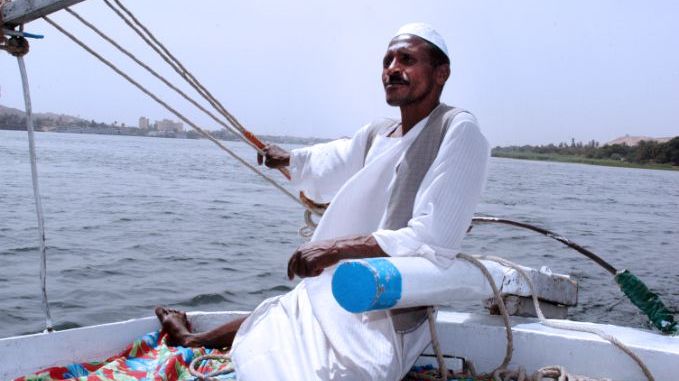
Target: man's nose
393, 67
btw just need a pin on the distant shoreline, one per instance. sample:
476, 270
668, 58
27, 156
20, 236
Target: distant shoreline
134, 131
534, 156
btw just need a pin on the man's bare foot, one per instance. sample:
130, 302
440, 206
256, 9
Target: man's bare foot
176, 325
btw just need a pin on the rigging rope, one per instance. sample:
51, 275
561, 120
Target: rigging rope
160, 77
131, 20
636, 291
36, 193
485, 219
179, 115
235, 126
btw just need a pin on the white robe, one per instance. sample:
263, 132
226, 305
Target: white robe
305, 334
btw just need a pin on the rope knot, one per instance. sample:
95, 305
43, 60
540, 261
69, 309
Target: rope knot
16, 46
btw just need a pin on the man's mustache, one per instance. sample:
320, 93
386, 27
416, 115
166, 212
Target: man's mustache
396, 80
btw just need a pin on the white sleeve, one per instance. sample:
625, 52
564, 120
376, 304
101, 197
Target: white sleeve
320, 170
446, 200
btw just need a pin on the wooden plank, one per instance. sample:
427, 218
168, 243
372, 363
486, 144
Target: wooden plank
552, 287
18, 12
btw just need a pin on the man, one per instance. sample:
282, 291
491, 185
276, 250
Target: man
397, 188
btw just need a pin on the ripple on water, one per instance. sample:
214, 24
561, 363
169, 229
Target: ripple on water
146, 254
207, 299
60, 326
279, 289
25, 249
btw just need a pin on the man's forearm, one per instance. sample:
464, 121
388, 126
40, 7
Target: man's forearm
361, 246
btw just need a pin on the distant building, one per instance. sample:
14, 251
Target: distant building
167, 125
144, 123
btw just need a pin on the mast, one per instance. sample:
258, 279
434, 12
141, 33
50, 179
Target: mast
18, 12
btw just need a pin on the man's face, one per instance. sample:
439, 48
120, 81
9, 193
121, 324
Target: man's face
407, 73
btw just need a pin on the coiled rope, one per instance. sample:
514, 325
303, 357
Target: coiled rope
193, 367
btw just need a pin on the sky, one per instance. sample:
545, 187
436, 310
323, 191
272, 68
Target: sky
532, 71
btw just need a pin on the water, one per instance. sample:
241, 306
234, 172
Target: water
135, 222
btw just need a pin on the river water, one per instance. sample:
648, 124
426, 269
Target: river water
134, 222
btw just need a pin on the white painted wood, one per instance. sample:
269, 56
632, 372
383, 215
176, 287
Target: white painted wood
23, 11
23, 355
480, 338
552, 287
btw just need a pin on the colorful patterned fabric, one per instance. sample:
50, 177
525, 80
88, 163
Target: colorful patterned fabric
149, 358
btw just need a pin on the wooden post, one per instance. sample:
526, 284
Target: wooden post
18, 12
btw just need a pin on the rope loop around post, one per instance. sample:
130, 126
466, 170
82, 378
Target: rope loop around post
16, 46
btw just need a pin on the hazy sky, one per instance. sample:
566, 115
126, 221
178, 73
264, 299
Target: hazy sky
533, 72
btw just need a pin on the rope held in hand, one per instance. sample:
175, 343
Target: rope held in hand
234, 125
201, 131
138, 27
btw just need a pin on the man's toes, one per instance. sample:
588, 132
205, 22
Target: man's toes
161, 312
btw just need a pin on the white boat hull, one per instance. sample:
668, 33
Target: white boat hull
480, 338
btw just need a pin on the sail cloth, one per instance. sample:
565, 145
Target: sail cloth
306, 331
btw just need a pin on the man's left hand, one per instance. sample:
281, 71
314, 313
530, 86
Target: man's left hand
311, 258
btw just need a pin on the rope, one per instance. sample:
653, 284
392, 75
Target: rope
161, 78
172, 110
600, 261
16, 45
443, 368
235, 127
193, 367
501, 304
569, 326
636, 291
148, 37
502, 373
36, 194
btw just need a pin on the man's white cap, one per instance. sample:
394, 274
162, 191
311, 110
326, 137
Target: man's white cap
426, 32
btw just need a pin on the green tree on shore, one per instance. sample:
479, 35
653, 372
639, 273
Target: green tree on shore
646, 152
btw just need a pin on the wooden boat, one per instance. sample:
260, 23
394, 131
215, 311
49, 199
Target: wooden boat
475, 337
464, 337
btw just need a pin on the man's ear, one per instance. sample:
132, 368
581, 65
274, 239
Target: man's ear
441, 74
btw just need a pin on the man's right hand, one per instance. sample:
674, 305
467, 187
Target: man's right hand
274, 157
